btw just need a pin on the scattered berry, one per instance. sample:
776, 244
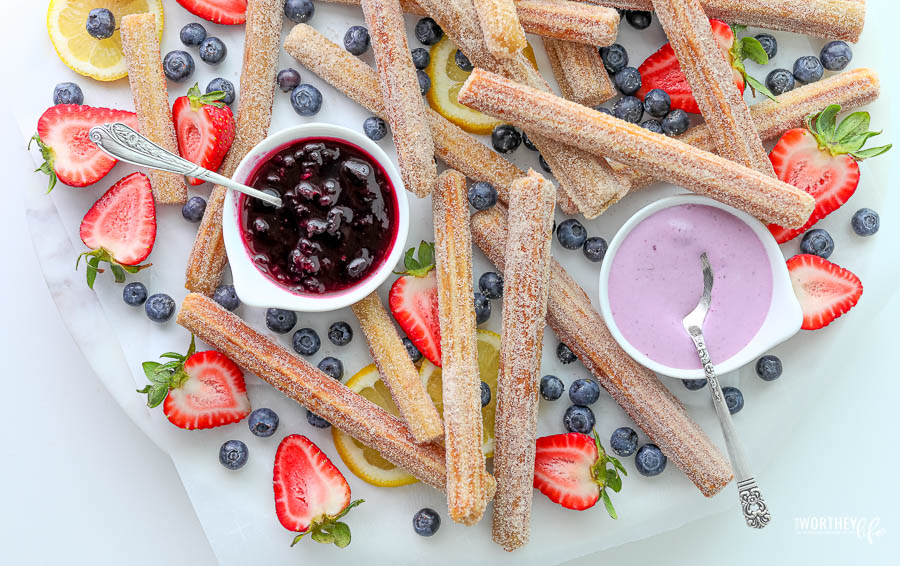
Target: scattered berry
769, 44
627, 80
653, 125
462, 61
356, 40
579, 419
571, 234
482, 195
193, 209
505, 138
315, 420
306, 100
421, 58
340, 333
694, 384
584, 392
233, 454
565, 354
299, 11
551, 387
332, 367
491, 285
835, 55
628, 108
375, 128
657, 103
306, 342
733, 398
428, 32
426, 521
594, 249
134, 294
817, 242
414, 354
808, 69
825, 290
603, 110
638, 19
528, 143
780, 81
212, 50
67, 93
624, 441
219, 84
192, 34
485, 394
649, 460
865, 222
178, 65
482, 309
101, 24
159, 307
288, 79
544, 165
676, 122
263, 422
768, 368
424, 81
614, 57
280, 321
226, 296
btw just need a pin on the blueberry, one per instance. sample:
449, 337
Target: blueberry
233, 454
222, 85
340, 333
426, 521
306, 342
193, 209
212, 50
780, 81
544, 165
584, 392
485, 394
193, 34
551, 387
638, 19
603, 110
67, 93
482, 195
424, 81
624, 441
306, 100
835, 55
653, 125
579, 419
649, 460
226, 296
528, 143
571, 234
134, 294
627, 80
159, 307
768, 368
769, 44
865, 222
178, 65
462, 61
629, 108
676, 122
263, 422
491, 284
356, 40
614, 57
101, 23
808, 69
299, 11
315, 420
733, 398
280, 321
375, 128
505, 138
428, 32
421, 58
594, 249
817, 242
565, 354
414, 354
657, 103
482, 308
694, 384
288, 79
332, 367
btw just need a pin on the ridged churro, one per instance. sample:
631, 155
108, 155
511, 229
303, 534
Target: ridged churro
579, 72
467, 490
526, 281
257, 93
140, 44
397, 370
765, 197
636, 389
503, 34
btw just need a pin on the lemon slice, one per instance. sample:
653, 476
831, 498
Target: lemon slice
101, 59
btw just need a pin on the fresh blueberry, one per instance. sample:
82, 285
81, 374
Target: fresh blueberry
653, 125
332, 367
657, 103
101, 23
808, 69
865, 222
779, 81
482, 195
571, 234
491, 284
768, 368
426, 521
280, 320
528, 143
428, 32
817, 242
288, 79
356, 40
159, 307
193, 209
551, 387
505, 138
421, 58
306, 342
233, 454
649, 460
462, 61
212, 50
627, 80
226, 296
694, 384
614, 57
178, 65
482, 308
306, 100
193, 34
584, 392
340, 333
544, 165
835, 55
263, 422
594, 249
676, 122
222, 85
299, 11
375, 128
624, 441
579, 419
485, 394
628, 108
733, 398
67, 93
603, 110
315, 420
414, 354
638, 19
424, 81
134, 294
565, 354
769, 44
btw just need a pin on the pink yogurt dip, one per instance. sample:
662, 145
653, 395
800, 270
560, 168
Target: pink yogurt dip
656, 279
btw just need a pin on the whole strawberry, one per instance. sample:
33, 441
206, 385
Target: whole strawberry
204, 127
413, 302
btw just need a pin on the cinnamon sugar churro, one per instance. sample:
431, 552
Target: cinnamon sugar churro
140, 44
636, 389
503, 34
765, 197
579, 71
467, 492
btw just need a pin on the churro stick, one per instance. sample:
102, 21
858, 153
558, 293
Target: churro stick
397, 370
140, 44
326, 397
636, 389
503, 34
668, 159
467, 490
257, 93
579, 71
710, 77
526, 280
403, 101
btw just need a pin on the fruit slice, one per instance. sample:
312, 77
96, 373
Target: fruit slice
101, 59
825, 290
413, 302
227, 12
204, 127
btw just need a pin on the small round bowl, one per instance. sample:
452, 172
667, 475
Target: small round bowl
782, 321
253, 286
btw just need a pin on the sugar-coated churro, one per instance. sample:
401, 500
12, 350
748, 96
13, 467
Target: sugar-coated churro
765, 197
257, 93
403, 101
579, 71
503, 34
467, 491
636, 389
526, 282
140, 44
397, 370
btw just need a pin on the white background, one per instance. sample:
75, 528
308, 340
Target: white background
83, 485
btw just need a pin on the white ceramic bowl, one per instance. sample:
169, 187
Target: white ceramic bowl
782, 321
255, 288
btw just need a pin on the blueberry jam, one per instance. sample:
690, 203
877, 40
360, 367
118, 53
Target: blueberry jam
338, 221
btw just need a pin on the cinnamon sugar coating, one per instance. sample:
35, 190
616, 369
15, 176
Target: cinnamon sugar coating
580, 72
503, 34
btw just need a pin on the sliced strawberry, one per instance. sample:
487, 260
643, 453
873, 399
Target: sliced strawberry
228, 12
204, 127
413, 300
825, 290
69, 155
310, 493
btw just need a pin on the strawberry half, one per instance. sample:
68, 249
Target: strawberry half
310, 493
200, 389
69, 155
228, 12
413, 300
825, 290
821, 159
120, 228
571, 469
204, 128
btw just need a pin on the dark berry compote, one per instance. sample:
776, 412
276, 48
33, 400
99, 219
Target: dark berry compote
338, 219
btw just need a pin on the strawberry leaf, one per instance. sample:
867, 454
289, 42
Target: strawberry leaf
609, 506
47, 166
328, 530
198, 99
341, 534
848, 137
421, 266
755, 86
752, 49
606, 477
163, 377
92, 269
871, 152
826, 121
852, 126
